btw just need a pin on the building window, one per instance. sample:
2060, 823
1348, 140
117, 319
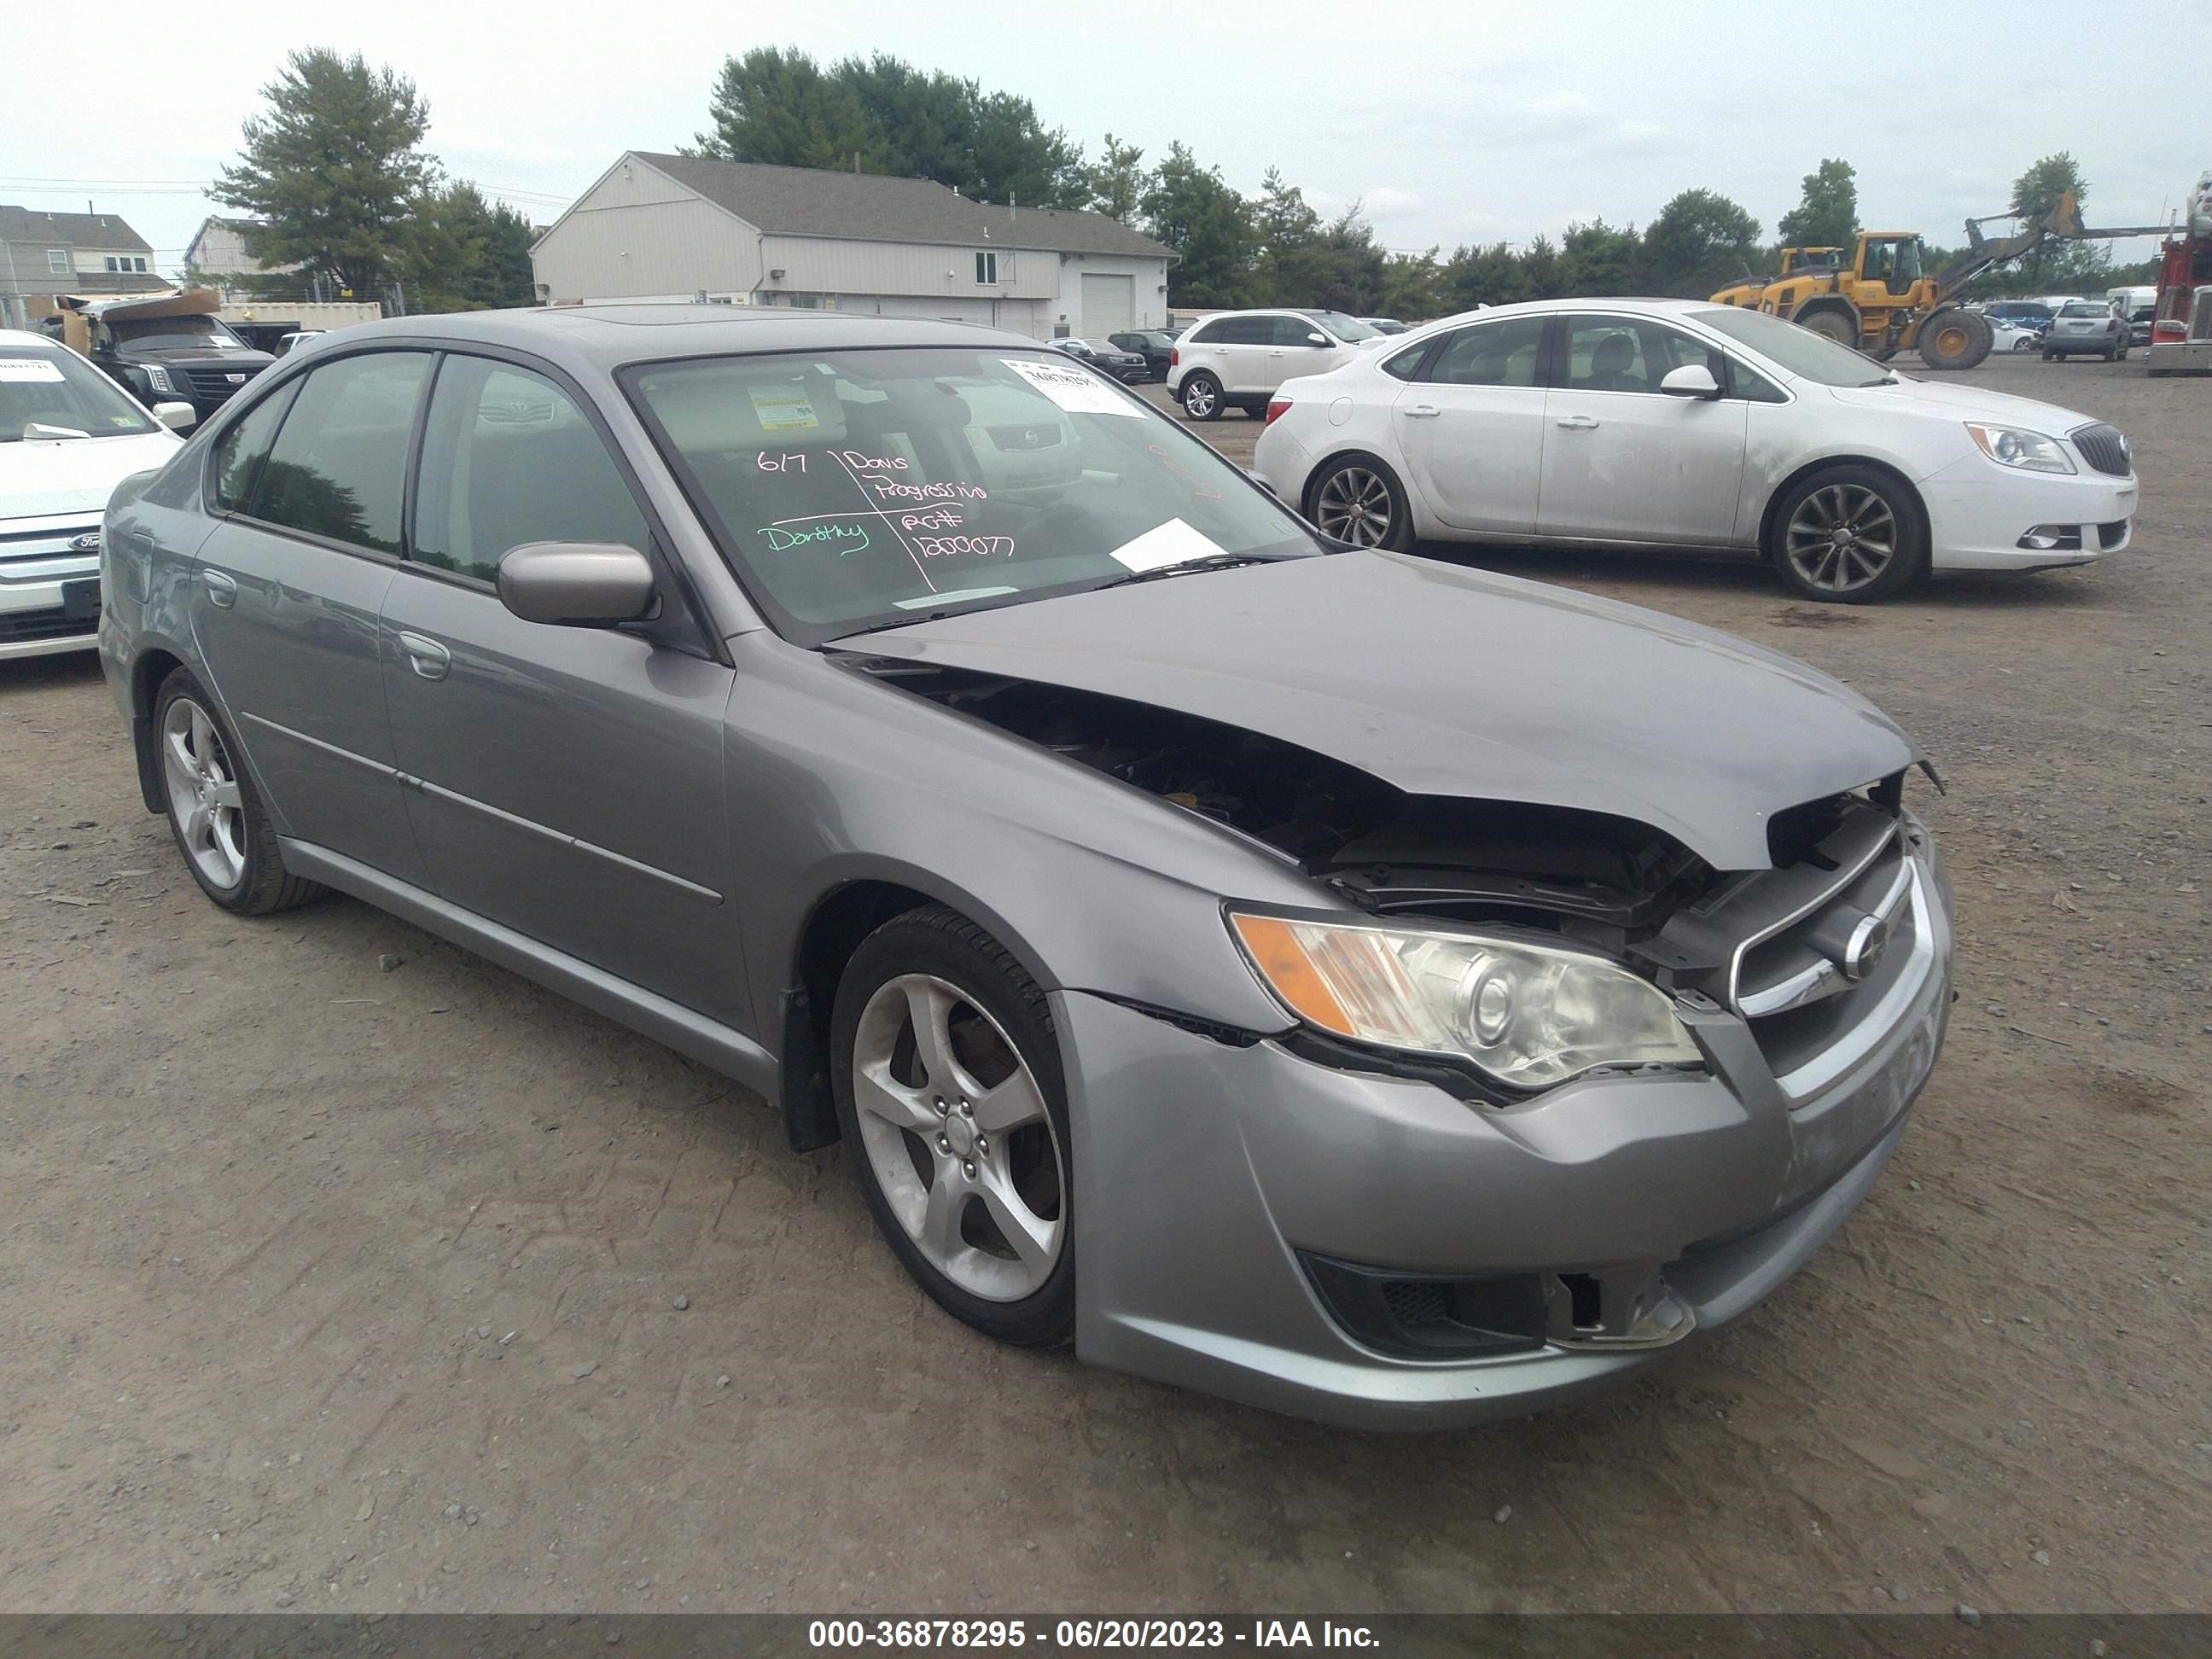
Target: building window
57, 260
987, 269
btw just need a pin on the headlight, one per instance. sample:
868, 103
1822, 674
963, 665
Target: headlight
158, 378
2013, 445
1529, 1015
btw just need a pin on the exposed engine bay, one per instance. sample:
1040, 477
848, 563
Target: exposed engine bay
1606, 880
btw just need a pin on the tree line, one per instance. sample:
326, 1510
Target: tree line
339, 186
880, 114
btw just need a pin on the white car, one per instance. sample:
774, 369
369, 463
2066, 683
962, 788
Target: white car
1236, 359
1681, 423
2005, 335
67, 436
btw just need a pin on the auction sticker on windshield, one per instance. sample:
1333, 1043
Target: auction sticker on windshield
1172, 543
1075, 390
29, 368
783, 409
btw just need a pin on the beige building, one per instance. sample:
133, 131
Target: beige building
674, 227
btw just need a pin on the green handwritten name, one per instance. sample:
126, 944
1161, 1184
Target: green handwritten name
846, 537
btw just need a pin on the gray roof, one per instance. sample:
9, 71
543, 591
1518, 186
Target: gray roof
99, 230
869, 207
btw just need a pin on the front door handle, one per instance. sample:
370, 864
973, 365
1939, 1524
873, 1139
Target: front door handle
425, 655
223, 590
1579, 424
1423, 412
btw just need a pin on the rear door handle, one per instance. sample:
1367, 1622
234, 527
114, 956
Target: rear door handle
1578, 423
223, 590
425, 655
1423, 412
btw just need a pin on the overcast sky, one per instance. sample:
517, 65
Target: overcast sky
1453, 122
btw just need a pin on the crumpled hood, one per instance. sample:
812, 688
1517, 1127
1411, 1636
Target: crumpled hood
40, 478
1446, 681
1966, 403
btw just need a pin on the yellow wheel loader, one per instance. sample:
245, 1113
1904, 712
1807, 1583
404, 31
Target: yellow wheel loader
1884, 300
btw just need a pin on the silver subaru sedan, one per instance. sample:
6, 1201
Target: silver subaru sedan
1371, 989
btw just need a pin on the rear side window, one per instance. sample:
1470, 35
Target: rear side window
508, 457
1407, 362
1507, 353
240, 451
339, 465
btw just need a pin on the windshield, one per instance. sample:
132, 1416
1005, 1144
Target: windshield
1344, 328
173, 334
60, 390
1811, 357
862, 490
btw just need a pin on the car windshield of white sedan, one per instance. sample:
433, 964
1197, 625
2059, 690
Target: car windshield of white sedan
863, 489
57, 394
1347, 329
1812, 357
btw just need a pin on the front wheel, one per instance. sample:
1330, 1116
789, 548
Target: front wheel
1200, 396
954, 1117
1356, 500
217, 819
1849, 535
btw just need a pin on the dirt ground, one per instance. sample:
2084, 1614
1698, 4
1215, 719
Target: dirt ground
329, 1287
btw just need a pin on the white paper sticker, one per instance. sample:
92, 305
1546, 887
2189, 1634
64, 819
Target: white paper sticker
783, 409
1172, 543
29, 368
1074, 389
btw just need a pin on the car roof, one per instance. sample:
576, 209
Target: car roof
604, 337
15, 339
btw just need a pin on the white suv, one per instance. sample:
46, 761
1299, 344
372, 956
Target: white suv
1239, 357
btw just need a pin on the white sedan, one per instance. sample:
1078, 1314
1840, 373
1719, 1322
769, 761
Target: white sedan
1680, 423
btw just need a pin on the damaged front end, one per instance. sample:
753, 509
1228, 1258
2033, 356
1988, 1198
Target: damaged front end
1790, 949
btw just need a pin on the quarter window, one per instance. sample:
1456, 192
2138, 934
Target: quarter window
240, 451
339, 465
1403, 365
508, 457
1507, 353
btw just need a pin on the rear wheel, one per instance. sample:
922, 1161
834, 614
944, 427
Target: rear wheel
1200, 396
1954, 339
955, 1120
218, 821
1355, 498
1832, 326
1849, 535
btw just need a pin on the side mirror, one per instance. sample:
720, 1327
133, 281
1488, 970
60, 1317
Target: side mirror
176, 415
1691, 380
576, 584
1317, 339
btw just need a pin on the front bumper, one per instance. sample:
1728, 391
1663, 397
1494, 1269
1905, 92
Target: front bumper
1977, 512
37, 571
1205, 1169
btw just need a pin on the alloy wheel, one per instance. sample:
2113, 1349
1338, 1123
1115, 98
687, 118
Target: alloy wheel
204, 794
1353, 505
1841, 538
1198, 399
957, 1136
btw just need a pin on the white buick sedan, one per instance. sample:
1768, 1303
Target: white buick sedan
1659, 424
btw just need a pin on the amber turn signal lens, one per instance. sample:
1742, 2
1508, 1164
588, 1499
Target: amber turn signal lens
1283, 962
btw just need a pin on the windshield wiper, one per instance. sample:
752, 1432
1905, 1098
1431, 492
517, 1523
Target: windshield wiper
1210, 562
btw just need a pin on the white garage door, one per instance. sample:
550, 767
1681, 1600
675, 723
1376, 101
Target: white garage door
1109, 305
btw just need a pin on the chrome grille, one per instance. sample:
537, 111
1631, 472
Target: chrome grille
213, 386
2104, 448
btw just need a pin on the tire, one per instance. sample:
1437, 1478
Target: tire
2021, 347
215, 814
972, 1153
1363, 501
1876, 508
1832, 325
1953, 338
1200, 394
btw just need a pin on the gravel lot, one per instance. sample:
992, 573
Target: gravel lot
328, 1286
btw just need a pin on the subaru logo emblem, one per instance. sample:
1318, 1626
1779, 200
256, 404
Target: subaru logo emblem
1862, 954
88, 543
